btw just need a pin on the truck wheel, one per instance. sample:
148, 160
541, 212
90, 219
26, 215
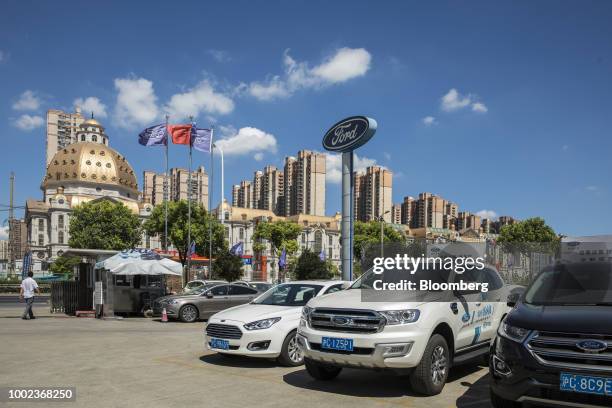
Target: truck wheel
319, 371
430, 375
499, 402
291, 354
188, 313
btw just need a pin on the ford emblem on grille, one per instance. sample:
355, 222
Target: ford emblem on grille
341, 320
592, 346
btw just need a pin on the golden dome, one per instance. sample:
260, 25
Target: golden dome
93, 122
91, 164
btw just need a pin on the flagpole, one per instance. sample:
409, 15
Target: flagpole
210, 193
166, 193
189, 205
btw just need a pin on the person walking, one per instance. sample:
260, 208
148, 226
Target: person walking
28, 287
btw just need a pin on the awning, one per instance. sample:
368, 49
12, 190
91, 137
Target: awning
140, 262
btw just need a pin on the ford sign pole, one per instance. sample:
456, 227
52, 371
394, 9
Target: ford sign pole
344, 137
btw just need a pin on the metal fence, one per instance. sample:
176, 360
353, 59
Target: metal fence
67, 297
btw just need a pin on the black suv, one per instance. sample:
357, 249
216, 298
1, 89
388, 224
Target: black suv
555, 346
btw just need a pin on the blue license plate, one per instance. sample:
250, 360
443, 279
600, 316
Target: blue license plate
334, 343
219, 344
586, 384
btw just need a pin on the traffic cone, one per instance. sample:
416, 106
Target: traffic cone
164, 315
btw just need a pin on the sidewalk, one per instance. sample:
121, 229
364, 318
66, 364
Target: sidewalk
40, 310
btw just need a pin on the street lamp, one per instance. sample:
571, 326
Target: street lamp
382, 233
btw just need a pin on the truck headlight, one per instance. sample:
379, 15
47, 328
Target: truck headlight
306, 312
401, 316
261, 324
513, 333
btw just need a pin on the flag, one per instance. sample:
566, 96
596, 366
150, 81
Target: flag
192, 249
154, 136
282, 261
181, 134
322, 255
26, 264
237, 249
201, 139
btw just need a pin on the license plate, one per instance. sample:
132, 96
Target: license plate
586, 384
219, 344
333, 343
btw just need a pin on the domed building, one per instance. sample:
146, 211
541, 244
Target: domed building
84, 171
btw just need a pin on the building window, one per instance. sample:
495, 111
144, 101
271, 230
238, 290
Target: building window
41, 240
318, 244
94, 138
41, 224
60, 221
60, 237
330, 240
241, 233
82, 138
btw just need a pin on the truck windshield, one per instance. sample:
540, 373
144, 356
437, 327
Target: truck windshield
288, 294
366, 281
572, 284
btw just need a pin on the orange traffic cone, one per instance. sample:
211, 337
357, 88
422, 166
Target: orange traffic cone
164, 315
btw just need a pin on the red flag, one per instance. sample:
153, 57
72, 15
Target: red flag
181, 134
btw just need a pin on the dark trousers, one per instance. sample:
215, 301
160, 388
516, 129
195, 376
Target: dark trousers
28, 309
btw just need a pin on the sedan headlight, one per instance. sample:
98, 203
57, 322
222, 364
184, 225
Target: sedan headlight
306, 312
513, 333
401, 316
173, 301
261, 324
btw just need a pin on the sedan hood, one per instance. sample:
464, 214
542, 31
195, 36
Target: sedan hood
572, 319
251, 312
352, 299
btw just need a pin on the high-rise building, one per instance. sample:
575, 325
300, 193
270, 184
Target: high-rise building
373, 194
432, 211
178, 181
4, 250
304, 184
256, 199
62, 130
272, 197
467, 220
244, 194
408, 210
396, 214
18, 239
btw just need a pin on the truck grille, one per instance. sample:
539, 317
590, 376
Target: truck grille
223, 331
346, 320
562, 350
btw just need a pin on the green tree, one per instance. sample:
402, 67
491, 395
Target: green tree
178, 228
310, 266
64, 265
367, 235
280, 234
228, 266
530, 235
104, 224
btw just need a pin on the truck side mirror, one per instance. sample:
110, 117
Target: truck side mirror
513, 298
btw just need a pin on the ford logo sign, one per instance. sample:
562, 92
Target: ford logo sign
592, 346
349, 134
341, 320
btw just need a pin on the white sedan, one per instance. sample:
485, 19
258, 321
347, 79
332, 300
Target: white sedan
267, 326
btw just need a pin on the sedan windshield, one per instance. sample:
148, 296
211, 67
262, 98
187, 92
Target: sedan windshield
288, 294
572, 284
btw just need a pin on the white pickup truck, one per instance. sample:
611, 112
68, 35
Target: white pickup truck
423, 339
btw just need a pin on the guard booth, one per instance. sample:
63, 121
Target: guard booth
129, 282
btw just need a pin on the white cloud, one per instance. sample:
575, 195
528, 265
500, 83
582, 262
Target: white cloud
333, 164
27, 101
479, 107
91, 104
4, 232
429, 121
488, 214
258, 156
220, 55
248, 140
200, 99
343, 65
28, 122
453, 101
136, 102
592, 188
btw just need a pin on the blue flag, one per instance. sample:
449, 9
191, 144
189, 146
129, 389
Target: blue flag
237, 249
282, 261
192, 249
201, 139
154, 136
322, 255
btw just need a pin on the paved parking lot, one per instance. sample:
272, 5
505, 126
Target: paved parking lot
139, 362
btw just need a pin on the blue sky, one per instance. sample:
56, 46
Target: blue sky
498, 106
